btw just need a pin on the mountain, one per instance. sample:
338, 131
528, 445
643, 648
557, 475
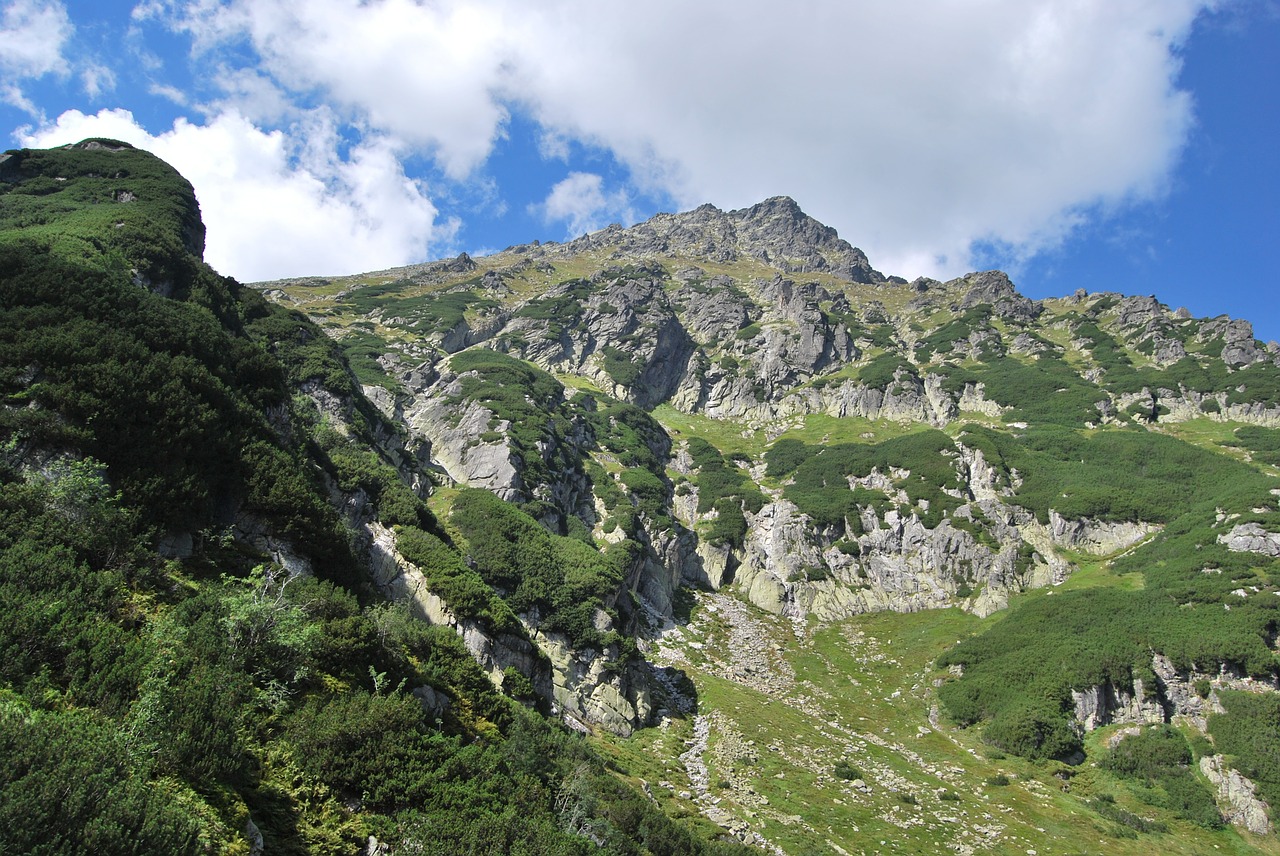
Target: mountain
749, 408
820, 560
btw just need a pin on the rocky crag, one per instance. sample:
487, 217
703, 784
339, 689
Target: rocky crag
766, 317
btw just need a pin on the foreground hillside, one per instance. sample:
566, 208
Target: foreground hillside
742, 405
193, 495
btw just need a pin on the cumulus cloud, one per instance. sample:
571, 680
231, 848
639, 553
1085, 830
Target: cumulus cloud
581, 202
277, 207
429, 74
32, 38
918, 130
97, 79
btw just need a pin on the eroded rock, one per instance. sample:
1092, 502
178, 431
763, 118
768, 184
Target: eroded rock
1236, 796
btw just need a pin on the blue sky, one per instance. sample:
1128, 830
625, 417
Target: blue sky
1111, 145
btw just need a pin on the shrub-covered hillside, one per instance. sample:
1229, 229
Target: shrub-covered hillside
815, 560
191, 659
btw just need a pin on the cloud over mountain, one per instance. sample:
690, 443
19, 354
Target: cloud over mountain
920, 132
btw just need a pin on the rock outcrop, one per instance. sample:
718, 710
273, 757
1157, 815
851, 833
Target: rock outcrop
1187, 695
993, 287
1106, 704
1251, 538
789, 567
586, 687
591, 689
1097, 537
1236, 796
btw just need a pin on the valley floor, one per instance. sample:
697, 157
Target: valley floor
814, 739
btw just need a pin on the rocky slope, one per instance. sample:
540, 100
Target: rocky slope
766, 318
742, 403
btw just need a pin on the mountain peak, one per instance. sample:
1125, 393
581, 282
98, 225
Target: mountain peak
775, 231
778, 203
149, 196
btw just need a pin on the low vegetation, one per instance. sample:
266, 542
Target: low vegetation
165, 683
189, 477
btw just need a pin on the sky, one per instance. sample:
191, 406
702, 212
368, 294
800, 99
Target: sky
1110, 145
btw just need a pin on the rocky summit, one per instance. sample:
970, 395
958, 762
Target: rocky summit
697, 536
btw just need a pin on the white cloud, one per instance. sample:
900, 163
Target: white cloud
169, 93
32, 38
425, 73
277, 207
255, 95
581, 201
916, 129
97, 79
553, 146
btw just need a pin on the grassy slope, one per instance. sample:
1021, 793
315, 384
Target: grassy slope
862, 694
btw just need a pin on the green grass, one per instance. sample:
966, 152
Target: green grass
726, 435
862, 695
1091, 572
821, 428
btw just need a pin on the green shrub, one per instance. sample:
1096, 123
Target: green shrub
845, 770
785, 455
1029, 711
723, 486
463, 589
622, 366
564, 578
70, 786
820, 485
882, 371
